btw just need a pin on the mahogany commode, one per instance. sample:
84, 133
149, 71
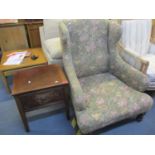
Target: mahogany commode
39, 87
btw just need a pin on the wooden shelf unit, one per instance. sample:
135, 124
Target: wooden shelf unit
21, 35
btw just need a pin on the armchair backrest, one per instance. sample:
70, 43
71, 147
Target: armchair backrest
88, 46
51, 28
136, 35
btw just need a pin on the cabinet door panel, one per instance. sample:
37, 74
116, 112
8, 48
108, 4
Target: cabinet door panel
34, 35
36, 99
12, 38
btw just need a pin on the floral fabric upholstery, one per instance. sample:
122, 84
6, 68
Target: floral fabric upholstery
120, 68
88, 41
105, 102
98, 75
78, 98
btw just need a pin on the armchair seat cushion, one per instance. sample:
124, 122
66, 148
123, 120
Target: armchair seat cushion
54, 48
151, 67
109, 100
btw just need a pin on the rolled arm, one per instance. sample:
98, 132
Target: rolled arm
42, 38
76, 90
131, 58
128, 74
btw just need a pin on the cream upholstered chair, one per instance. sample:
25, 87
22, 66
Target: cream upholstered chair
98, 75
136, 36
50, 40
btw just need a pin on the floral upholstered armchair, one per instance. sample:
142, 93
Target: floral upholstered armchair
104, 88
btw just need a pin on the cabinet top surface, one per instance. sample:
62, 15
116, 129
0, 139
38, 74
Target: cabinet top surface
27, 62
38, 78
21, 22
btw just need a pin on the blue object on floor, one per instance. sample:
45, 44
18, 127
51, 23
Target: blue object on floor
57, 124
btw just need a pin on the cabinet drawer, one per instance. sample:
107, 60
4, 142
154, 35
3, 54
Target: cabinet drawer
33, 100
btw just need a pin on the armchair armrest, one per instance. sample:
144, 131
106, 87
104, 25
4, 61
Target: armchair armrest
42, 38
133, 59
76, 90
128, 74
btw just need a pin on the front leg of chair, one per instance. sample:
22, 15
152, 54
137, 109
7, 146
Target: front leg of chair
140, 117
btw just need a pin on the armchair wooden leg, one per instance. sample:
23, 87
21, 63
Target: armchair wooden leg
75, 126
140, 117
78, 132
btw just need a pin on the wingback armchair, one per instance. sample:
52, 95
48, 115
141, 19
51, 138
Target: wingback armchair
136, 35
104, 88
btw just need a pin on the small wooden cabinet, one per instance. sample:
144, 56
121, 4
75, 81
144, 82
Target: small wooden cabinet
41, 87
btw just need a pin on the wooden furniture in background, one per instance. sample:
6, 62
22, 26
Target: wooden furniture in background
4, 21
33, 33
6, 70
20, 35
39, 87
153, 31
13, 36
